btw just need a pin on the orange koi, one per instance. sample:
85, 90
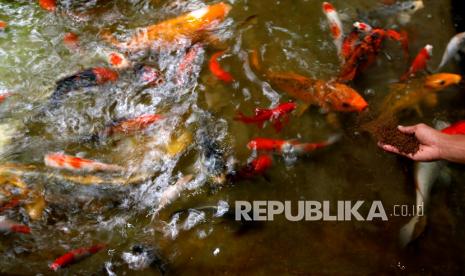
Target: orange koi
419, 63
48, 5
71, 41
288, 146
10, 204
195, 25
187, 63
328, 95
276, 115
216, 69
3, 25
61, 161
126, 127
75, 255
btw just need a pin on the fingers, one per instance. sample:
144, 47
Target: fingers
393, 149
408, 129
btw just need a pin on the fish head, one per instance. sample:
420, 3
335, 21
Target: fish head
345, 99
410, 7
442, 80
216, 12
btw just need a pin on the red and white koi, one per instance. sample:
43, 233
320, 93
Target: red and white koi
61, 161
75, 255
277, 116
288, 146
217, 70
419, 63
335, 25
363, 27
456, 44
8, 226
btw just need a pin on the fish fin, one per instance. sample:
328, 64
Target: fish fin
412, 230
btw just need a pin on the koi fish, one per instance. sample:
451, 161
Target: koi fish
335, 25
61, 161
455, 129
186, 66
195, 25
411, 94
216, 69
288, 146
275, 115
8, 226
366, 52
453, 47
148, 76
4, 96
87, 78
426, 174
258, 166
402, 11
48, 5
173, 192
10, 204
71, 41
118, 61
131, 126
363, 27
3, 26
75, 255
419, 63
328, 95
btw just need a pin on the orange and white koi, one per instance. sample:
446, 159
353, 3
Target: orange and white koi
195, 26
118, 61
76, 255
8, 226
328, 95
288, 146
186, 66
419, 63
48, 5
173, 192
131, 126
277, 116
216, 69
456, 44
335, 25
61, 161
71, 41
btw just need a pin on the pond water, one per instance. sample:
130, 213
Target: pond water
198, 112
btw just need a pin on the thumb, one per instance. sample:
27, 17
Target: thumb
407, 129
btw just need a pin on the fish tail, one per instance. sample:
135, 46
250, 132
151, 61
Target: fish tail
248, 120
412, 230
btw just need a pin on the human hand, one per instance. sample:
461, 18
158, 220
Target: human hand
430, 140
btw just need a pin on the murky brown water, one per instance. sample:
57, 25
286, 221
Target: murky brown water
290, 36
